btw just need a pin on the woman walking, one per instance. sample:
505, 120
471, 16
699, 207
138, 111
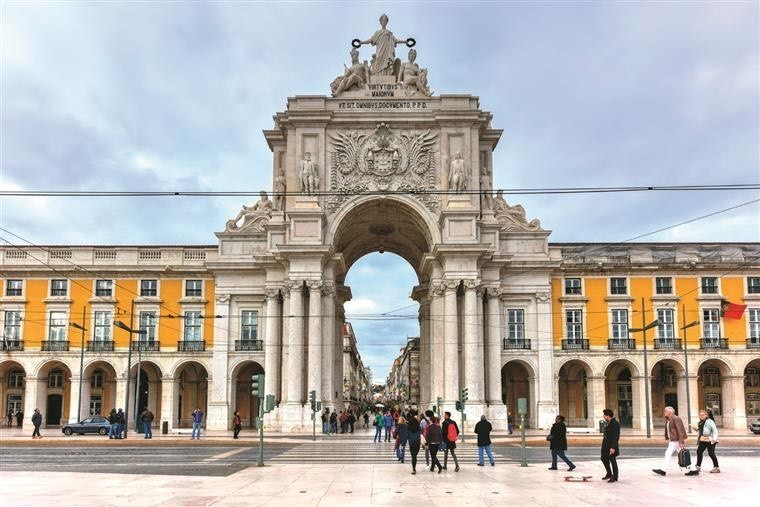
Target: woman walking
237, 424
707, 438
413, 437
378, 424
402, 437
558, 443
434, 438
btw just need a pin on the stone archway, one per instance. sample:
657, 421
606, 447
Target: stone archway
620, 394
241, 388
191, 392
12, 391
146, 393
575, 393
716, 391
99, 389
54, 392
518, 380
752, 389
668, 389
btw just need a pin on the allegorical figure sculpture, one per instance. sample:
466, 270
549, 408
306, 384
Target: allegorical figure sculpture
457, 174
412, 76
512, 217
384, 61
355, 76
249, 214
485, 187
309, 176
280, 188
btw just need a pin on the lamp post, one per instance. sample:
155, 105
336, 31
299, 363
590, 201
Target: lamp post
643, 330
131, 331
686, 363
81, 361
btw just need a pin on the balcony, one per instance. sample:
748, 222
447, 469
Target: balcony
100, 346
515, 344
146, 346
55, 345
621, 344
753, 343
667, 343
249, 345
18, 345
575, 344
713, 343
191, 346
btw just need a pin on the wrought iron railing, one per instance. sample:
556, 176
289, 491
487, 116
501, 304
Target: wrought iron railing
575, 344
191, 346
55, 345
621, 344
515, 344
12, 344
146, 345
100, 346
667, 343
249, 345
713, 343
753, 343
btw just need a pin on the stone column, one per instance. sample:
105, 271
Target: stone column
733, 403
436, 342
284, 338
315, 338
74, 417
597, 399
473, 347
272, 343
295, 344
425, 378
219, 404
493, 354
548, 406
168, 405
328, 345
34, 388
451, 344
638, 386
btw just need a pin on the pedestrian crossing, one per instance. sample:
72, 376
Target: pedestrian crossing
353, 451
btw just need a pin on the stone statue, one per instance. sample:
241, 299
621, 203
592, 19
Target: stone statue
384, 61
413, 77
259, 212
485, 187
280, 188
355, 76
457, 174
512, 218
309, 176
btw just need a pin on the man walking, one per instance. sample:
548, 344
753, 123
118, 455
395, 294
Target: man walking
424, 423
37, 422
120, 424
483, 430
450, 434
610, 448
388, 425
675, 434
197, 419
558, 443
147, 419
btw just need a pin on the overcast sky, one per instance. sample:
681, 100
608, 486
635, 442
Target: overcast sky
174, 96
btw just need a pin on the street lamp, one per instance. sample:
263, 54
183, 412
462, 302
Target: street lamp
81, 361
646, 365
686, 363
131, 331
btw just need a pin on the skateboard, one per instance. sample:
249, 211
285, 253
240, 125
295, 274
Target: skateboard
578, 478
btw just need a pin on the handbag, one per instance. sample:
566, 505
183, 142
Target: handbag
704, 438
548, 438
684, 458
374, 423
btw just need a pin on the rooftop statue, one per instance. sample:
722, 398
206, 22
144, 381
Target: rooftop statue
254, 217
512, 218
384, 61
413, 77
355, 76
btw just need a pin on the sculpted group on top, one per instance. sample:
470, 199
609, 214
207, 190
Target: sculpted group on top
384, 67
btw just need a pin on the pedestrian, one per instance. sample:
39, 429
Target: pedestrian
197, 419
402, 437
610, 443
147, 420
675, 435
414, 434
510, 423
19, 419
10, 417
120, 424
237, 425
334, 422
366, 420
388, 425
343, 418
37, 422
424, 423
450, 432
707, 438
114, 425
483, 430
378, 423
325, 418
434, 442
558, 443
351, 421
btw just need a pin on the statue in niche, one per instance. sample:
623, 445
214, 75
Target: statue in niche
412, 77
355, 76
309, 176
280, 188
384, 62
457, 174
485, 187
254, 217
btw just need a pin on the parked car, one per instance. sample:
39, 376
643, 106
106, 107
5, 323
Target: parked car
755, 426
94, 424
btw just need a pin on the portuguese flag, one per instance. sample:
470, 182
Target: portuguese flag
732, 310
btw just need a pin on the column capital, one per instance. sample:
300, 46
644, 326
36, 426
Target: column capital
294, 285
222, 298
328, 289
437, 288
493, 292
272, 292
543, 297
450, 285
314, 285
471, 284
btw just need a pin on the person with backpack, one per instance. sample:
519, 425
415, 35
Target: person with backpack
378, 424
450, 432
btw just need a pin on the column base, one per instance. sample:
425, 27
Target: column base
473, 410
292, 418
218, 417
547, 413
497, 415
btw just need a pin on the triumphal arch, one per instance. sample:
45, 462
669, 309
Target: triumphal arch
383, 164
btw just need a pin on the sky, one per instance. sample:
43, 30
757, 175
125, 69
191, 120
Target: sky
156, 96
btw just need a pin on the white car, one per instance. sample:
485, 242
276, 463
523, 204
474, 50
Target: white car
755, 426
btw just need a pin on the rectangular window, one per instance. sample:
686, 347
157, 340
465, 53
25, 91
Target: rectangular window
103, 322
104, 288
12, 326
573, 286
752, 377
754, 324
16, 378
97, 379
753, 285
711, 377
13, 287
709, 285
55, 379
574, 324
57, 330
192, 326
250, 326
663, 285
516, 324
147, 324
96, 404
665, 330
193, 288
620, 324
710, 323
618, 286
149, 287
59, 287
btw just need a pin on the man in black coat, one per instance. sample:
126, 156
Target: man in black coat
558, 443
483, 430
610, 446
451, 445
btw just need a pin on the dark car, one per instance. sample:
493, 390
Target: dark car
755, 426
94, 424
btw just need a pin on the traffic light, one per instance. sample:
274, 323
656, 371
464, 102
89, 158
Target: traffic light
269, 403
257, 385
465, 394
459, 406
313, 400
